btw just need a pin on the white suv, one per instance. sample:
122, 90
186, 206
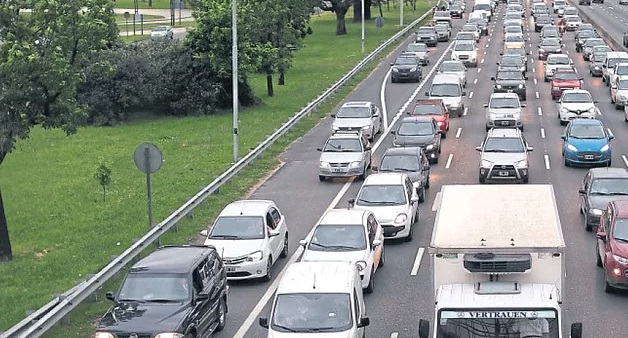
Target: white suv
465, 51
359, 116
348, 235
394, 201
504, 110
250, 236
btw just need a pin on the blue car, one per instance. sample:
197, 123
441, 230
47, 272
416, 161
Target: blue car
586, 142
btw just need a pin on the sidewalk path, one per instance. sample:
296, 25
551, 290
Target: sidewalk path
186, 14
179, 33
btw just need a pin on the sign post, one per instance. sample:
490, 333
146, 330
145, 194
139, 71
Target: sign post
148, 160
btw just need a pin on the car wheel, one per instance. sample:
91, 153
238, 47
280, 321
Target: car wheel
587, 224
371, 286
421, 195
546, 79
284, 251
411, 233
382, 259
566, 162
608, 288
618, 107
427, 183
597, 254
392, 80
481, 179
434, 160
269, 269
444, 135
580, 209
222, 315
321, 178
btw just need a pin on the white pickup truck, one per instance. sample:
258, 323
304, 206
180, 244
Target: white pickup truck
497, 254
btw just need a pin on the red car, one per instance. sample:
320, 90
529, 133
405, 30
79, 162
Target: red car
564, 79
435, 109
612, 245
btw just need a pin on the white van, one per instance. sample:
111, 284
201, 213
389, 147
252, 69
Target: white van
485, 6
480, 15
449, 89
608, 67
318, 299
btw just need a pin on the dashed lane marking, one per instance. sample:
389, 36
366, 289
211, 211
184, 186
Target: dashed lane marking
547, 161
542, 132
417, 262
449, 159
458, 132
540, 111
466, 111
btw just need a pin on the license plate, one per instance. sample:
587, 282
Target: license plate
231, 268
589, 157
503, 173
505, 123
337, 170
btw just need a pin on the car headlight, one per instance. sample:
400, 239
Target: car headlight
620, 259
355, 164
169, 335
606, 147
454, 105
430, 146
103, 335
413, 69
486, 164
558, 50
564, 110
256, 256
395, 70
498, 86
555, 88
521, 164
361, 265
592, 110
335, 128
366, 127
571, 147
541, 50
324, 164
520, 86
416, 185
439, 123
596, 212
401, 218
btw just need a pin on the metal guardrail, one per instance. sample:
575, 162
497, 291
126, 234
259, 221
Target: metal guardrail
43, 319
610, 40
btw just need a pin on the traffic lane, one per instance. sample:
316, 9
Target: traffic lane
301, 207
612, 17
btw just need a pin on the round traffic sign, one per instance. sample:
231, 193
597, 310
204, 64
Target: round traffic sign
148, 158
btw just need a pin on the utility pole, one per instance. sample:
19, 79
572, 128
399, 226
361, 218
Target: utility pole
234, 70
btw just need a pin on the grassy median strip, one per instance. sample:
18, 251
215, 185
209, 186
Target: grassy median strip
156, 4
121, 20
62, 229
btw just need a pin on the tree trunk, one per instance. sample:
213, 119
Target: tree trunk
381, 13
269, 84
282, 77
341, 26
367, 9
6, 254
357, 10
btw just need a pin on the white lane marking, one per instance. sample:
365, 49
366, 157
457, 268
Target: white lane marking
479, 70
599, 112
530, 45
471, 95
451, 157
437, 200
540, 111
542, 132
547, 161
536, 94
248, 322
487, 45
533, 70
535, 81
623, 157
475, 81
466, 111
394, 335
610, 132
484, 52
532, 60
458, 132
382, 98
489, 40
417, 262
567, 51
482, 61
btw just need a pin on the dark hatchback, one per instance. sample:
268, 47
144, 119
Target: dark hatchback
599, 187
542, 21
176, 290
419, 131
511, 62
411, 161
407, 67
510, 81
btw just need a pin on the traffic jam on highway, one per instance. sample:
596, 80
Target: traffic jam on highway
493, 145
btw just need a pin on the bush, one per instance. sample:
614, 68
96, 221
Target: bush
160, 77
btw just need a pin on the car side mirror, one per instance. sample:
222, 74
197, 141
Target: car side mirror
374, 168
603, 66
368, 148
392, 63
319, 149
523, 105
393, 132
303, 242
427, 93
582, 191
109, 295
576, 330
486, 105
601, 236
377, 242
464, 93
263, 322
478, 148
528, 53
497, 63
364, 321
332, 115
204, 233
376, 115
273, 233
563, 136
493, 78
525, 77
202, 296
424, 328
613, 87
408, 113
414, 199
426, 167
611, 137
501, 53
595, 101
530, 148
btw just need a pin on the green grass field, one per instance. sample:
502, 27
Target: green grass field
120, 18
60, 227
157, 4
148, 26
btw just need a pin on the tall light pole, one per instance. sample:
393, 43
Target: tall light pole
400, 12
362, 26
234, 73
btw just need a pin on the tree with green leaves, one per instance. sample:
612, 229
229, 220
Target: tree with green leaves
340, 8
43, 50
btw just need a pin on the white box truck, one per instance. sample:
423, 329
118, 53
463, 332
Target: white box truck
497, 258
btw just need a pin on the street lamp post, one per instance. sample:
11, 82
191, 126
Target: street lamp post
234, 70
362, 26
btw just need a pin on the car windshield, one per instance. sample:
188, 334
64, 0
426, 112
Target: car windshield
561, 60
400, 163
550, 43
602, 49
465, 36
482, 7
566, 76
612, 62
445, 90
599, 57
571, 11
415, 129
609, 186
472, 323
406, 61
620, 230
354, 113
454, 8
504, 102
587, 131
585, 26
442, 15
511, 60
513, 30
469, 28
160, 29
441, 28
550, 33
343, 145
463, 47
543, 19
576, 98
451, 67
586, 34
622, 85
509, 76
573, 19
338, 238
594, 42
622, 70
560, 3
514, 51
426, 30
504, 145
312, 312
427, 109
155, 287
375, 195
513, 16
415, 47
514, 38
238, 227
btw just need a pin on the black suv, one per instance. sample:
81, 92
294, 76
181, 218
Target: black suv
510, 81
176, 289
406, 67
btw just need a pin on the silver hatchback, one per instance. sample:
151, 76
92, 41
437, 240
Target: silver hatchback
345, 154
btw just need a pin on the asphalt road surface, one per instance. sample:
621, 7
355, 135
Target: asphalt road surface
402, 288
610, 15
